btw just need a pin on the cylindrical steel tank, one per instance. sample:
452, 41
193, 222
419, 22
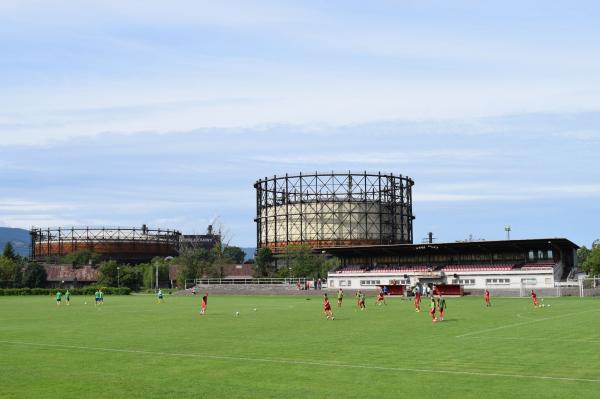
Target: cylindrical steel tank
333, 209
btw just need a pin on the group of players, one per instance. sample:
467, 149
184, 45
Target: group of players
437, 304
436, 308
98, 296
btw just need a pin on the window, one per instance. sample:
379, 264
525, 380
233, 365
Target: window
550, 254
531, 255
529, 281
466, 281
345, 283
497, 281
370, 282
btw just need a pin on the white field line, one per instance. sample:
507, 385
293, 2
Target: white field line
565, 340
523, 323
302, 362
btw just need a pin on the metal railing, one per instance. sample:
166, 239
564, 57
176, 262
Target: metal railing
246, 281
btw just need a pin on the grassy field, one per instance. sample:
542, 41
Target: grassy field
133, 347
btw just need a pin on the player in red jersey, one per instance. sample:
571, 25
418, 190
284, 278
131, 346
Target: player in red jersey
327, 308
380, 298
534, 298
204, 303
417, 299
487, 298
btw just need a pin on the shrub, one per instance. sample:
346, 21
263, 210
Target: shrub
74, 291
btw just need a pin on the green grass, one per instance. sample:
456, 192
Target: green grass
133, 347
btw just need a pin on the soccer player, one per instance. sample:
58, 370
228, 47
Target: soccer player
432, 308
534, 298
327, 308
58, 295
159, 296
417, 299
380, 298
340, 297
97, 297
487, 298
204, 303
68, 298
101, 296
441, 307
361, 301
358, 298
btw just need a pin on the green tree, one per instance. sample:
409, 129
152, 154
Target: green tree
81, 258
591, 265
234, 254
9, 251
108, 273
582, 254
112, 274
264, 263
34, 275
8, 272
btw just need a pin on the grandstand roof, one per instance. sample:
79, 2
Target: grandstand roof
453, 247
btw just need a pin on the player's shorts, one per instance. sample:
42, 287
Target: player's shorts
57, 299
327, 308
160, 297
432, 312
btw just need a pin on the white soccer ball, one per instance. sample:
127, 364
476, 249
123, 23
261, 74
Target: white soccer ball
255, 309
237, 314
85, 303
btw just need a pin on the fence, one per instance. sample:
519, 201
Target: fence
247, 281
589, 287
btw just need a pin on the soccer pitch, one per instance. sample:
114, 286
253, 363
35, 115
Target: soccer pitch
133, 347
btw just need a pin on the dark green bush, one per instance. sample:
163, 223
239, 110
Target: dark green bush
73, 291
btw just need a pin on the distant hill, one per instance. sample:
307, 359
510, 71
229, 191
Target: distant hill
19, 238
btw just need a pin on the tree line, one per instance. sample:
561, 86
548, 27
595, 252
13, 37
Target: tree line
588, 259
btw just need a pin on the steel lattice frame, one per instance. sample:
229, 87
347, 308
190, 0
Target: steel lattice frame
114, 242
333, 209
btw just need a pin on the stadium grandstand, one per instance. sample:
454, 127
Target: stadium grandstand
475, 265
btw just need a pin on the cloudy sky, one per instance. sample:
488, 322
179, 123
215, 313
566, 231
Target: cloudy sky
165, 113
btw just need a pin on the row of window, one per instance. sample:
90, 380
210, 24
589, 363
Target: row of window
465, 282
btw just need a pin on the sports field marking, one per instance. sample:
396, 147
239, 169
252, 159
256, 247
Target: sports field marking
302, 362
566, 340
523, 323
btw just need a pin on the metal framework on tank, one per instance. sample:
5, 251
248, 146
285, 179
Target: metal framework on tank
333, 209
134, 244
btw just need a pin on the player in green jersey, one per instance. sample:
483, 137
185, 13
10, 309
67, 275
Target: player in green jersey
58, 296
361, 301
433, 307
68, 298
97, 297
159, 296
340, 297
441, 307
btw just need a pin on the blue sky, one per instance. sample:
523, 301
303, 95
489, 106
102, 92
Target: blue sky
165, 113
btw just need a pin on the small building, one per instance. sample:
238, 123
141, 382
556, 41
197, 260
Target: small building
474, 265
66, 276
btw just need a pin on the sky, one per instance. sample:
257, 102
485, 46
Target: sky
122, 113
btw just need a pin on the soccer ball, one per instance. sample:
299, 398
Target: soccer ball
85, 303
255, 309
237, 314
